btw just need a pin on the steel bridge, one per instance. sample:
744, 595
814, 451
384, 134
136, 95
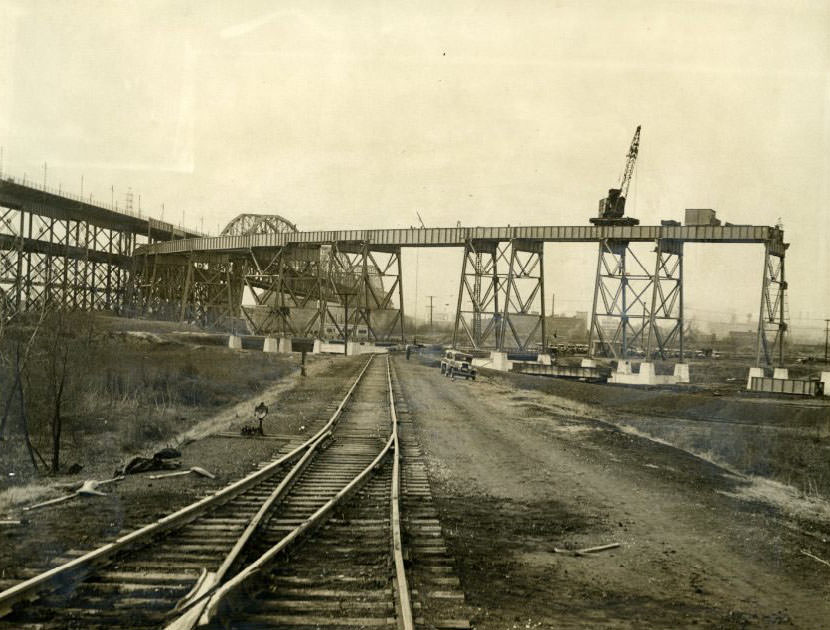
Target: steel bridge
66, 252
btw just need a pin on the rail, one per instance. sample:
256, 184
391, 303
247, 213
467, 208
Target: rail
215, 602
402, 600
32, 588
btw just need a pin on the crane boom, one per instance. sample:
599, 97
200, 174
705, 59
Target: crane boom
630, 161
612, 207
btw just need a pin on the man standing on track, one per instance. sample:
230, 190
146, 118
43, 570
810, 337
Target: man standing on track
260, 411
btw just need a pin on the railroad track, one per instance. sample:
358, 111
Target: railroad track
312, 539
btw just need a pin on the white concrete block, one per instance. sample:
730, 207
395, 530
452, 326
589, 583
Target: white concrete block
589, 363
285, 345
544, 359
755, 372
499, 361
624, 379
235, 342
681, 373
782, 373
269, 345
825, 378
318, 345
624, 367
647, 374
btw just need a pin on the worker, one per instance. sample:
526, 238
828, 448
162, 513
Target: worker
260, 411
408, 351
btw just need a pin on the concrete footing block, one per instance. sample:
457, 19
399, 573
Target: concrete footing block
825, 378
284, 345
544, 359
624, 367
318, 345
588, 363
681, 372
782, 373
755, 372
269, 345
498, 361
235, 342
647, 374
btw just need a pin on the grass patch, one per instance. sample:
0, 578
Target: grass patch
121, 392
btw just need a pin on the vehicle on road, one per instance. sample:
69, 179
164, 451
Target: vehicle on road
456, 363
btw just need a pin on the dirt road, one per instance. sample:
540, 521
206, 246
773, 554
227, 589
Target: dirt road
514, 478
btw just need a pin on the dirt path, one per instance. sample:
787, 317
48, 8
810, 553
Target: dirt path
514, 480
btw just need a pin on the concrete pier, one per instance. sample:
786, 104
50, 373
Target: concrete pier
270, 345
235, 342
754, 372
681, 373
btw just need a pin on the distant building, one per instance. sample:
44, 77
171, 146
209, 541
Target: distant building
572, 328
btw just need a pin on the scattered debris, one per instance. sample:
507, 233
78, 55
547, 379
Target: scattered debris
587, 550
88, 488
159, 461
816, 558
195, 469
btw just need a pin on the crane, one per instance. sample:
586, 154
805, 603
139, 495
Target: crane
612, 207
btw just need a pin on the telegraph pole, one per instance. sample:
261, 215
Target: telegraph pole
826, 337
431, 297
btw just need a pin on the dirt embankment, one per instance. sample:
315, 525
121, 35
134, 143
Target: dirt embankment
519, 474
784, 440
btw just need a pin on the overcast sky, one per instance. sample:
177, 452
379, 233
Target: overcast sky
358, 114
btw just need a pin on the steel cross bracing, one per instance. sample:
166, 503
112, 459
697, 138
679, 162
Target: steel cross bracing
50, 262
287, 288
479, 295
637, 311
297, 290
666, 322
620, 313
371, 278
503, 309
772, 322
62, 252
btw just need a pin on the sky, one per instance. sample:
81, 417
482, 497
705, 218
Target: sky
360, 114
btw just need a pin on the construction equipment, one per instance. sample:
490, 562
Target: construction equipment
612, 207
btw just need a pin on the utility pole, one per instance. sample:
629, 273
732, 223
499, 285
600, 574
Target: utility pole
826, 337
431, 297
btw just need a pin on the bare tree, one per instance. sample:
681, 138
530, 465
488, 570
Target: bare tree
19, 368
58, 357
24, 422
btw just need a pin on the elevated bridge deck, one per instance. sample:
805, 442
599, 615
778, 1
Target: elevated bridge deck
459, 236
